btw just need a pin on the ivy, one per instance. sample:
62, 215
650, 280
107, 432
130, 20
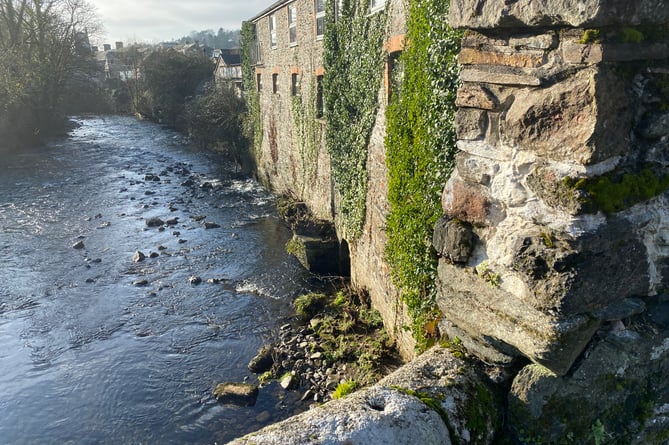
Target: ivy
253, 120
420, 153
353, 61
308, 131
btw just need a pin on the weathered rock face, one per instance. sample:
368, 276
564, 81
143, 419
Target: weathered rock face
437, 399
618, 390
560, 178
547, 13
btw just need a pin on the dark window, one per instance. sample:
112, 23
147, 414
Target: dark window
259, 81
295, 84
292, 24
275, 83
319, 97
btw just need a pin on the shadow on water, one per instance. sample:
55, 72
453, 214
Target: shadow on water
100, 349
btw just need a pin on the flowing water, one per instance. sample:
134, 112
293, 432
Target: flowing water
88, 356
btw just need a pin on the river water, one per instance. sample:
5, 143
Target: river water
87, 356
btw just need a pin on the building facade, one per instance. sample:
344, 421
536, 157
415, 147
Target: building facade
292, 157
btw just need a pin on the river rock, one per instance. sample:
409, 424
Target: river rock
138, 257
194, 280
289, 381
140, 283
263, 361
211, 225
154, 222
78, 245
240, 394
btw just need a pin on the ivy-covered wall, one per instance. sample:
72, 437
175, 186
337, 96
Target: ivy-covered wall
421, 148
353, 59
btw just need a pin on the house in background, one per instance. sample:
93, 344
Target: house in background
229, 68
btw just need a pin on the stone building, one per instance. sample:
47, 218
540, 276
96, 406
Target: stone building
292, 157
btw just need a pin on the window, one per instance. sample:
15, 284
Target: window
259, 81
376, 5
339, 9
394, 73
319, 97
292, 24
319, 8
295, 84
275, 83
272, 30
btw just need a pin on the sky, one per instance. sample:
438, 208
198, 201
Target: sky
154, 21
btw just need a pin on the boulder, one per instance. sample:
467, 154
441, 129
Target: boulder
620, 390
240, 394
263, 361
154, 222
436, 399
138, 257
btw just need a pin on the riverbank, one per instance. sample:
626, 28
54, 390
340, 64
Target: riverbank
338, 346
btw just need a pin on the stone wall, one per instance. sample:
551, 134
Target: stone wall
554, 237
292, 158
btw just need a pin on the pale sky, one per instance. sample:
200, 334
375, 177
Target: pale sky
154, 21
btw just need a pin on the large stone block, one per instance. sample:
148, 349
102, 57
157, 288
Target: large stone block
583, 275
592, 105
501, 320
488, 14
618, 390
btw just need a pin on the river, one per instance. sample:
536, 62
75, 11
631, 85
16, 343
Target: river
89, 355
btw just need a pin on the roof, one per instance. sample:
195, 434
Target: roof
269, 10
231, 56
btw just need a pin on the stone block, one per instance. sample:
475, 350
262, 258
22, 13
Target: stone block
489, 14
476, 96
574, 276
453, 239
470, 56
475, 169
471, 124
586, 118
499, 77
465, 202
501, 320
619, 387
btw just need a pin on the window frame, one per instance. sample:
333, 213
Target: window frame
272, 31
319, 17
292, 23
275, 83
377, 5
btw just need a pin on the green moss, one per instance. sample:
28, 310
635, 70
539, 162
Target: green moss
590, 36
631, 35
345, 388
420, 154
310, 304
612, 193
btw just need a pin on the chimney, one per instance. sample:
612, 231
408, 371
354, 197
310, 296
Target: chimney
107, 47
119, 45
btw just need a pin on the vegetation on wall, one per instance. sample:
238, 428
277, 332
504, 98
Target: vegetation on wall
353, 59
420, 152
253, 119
309, 131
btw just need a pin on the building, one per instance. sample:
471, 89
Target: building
292, 158
228, 69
